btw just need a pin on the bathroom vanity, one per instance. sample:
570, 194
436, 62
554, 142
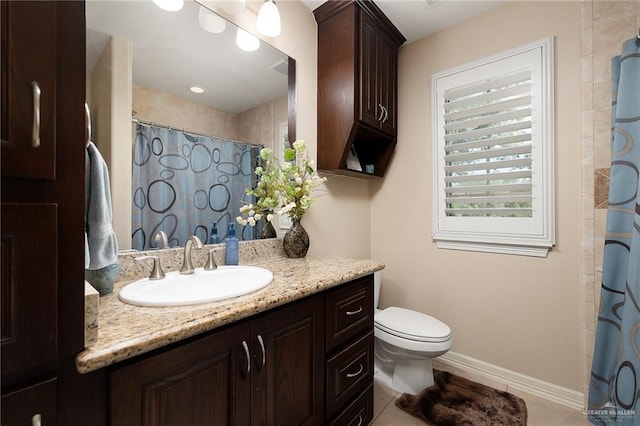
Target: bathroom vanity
299, 351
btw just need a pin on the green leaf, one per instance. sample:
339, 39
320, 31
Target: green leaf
289, 154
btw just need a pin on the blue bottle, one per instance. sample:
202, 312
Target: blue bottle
231, 251
213, 237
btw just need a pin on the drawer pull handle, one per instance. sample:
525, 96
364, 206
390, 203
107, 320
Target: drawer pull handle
36, 420
359, 420
357, 373
357, 311
246, 351
264, 355
35, 131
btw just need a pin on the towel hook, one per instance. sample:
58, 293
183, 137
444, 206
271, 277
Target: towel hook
87, 114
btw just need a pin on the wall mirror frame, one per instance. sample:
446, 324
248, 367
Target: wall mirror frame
124, 38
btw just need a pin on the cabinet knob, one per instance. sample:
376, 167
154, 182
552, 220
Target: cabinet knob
36, 420
35, 131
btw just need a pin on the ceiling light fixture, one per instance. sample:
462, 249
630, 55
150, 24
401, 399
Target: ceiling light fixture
268, 22
210, 21
170, 5
246, 41
196, 89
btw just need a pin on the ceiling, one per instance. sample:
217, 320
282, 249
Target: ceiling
171, 52
418, 18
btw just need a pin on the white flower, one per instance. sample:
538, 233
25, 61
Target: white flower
257, 216
269, 217
252, 221
252, 212
241, 220
299, 180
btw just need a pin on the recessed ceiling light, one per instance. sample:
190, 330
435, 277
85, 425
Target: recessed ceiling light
196, 89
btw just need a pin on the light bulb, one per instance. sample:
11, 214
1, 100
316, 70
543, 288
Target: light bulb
170, 5
210, 21
246, 41
268, 19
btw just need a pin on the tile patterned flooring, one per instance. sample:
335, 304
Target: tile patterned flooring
541, 412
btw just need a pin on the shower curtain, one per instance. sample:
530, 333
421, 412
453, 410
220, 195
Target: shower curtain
615, 375
182, 183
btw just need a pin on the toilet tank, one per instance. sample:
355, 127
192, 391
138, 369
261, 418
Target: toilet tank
377, 282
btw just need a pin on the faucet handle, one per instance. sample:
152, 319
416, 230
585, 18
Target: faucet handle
211, 263
156, 273
161, 238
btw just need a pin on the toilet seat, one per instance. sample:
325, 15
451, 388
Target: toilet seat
412, 325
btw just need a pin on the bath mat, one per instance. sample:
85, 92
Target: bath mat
453, 400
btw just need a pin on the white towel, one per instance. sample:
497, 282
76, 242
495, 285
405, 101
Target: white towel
101, 245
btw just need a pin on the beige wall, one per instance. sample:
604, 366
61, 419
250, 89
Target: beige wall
519, 313
110, 104
179, 113
605, 26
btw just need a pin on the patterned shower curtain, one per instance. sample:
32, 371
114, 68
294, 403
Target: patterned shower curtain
615, 375
182, 183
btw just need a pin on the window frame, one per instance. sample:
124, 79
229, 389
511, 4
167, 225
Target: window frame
521, 236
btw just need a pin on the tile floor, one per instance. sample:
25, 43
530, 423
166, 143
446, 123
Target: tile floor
541, 412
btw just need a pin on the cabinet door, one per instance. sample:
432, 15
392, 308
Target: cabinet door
28, 62
387, 79
205, 382
29, 291
370, 108
31, 404
288, 375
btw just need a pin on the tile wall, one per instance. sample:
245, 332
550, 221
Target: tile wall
605, 25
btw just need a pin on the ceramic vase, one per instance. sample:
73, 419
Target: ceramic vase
268, 231
296, 241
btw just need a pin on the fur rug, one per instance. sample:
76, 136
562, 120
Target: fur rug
456, 401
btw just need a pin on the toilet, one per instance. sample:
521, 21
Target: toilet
406, 341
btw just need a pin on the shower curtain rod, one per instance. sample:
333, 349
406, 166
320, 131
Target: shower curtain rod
164, 126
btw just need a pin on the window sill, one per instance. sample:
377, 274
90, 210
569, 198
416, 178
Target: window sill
519, 250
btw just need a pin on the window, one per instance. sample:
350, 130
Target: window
493, 153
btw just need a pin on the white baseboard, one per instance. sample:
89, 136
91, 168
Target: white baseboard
481, 371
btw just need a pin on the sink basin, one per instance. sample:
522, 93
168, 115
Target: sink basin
200, 287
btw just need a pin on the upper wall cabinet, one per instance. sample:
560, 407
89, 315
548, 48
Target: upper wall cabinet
357, 82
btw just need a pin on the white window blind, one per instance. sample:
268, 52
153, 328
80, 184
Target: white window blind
493, 153
488, 147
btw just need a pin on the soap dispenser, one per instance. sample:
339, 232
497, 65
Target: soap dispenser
213, 237
231, 250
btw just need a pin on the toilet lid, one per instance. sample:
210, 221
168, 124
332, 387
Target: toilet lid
412, 325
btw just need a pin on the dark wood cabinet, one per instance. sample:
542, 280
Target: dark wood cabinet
28, 89
267, 370
32, 405
29, 292
200, 383
42, 148
350, 353
357, 87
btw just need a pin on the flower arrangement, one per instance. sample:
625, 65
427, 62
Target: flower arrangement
282, 189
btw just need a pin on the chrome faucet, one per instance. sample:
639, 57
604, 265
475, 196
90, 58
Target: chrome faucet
187, 266
160, 240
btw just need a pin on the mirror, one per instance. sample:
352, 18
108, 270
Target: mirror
142, 61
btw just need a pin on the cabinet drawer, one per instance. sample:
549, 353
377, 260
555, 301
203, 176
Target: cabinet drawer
349, 312
38, 401
349, 372
358, 413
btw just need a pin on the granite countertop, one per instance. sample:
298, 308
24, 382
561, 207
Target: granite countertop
126, 331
